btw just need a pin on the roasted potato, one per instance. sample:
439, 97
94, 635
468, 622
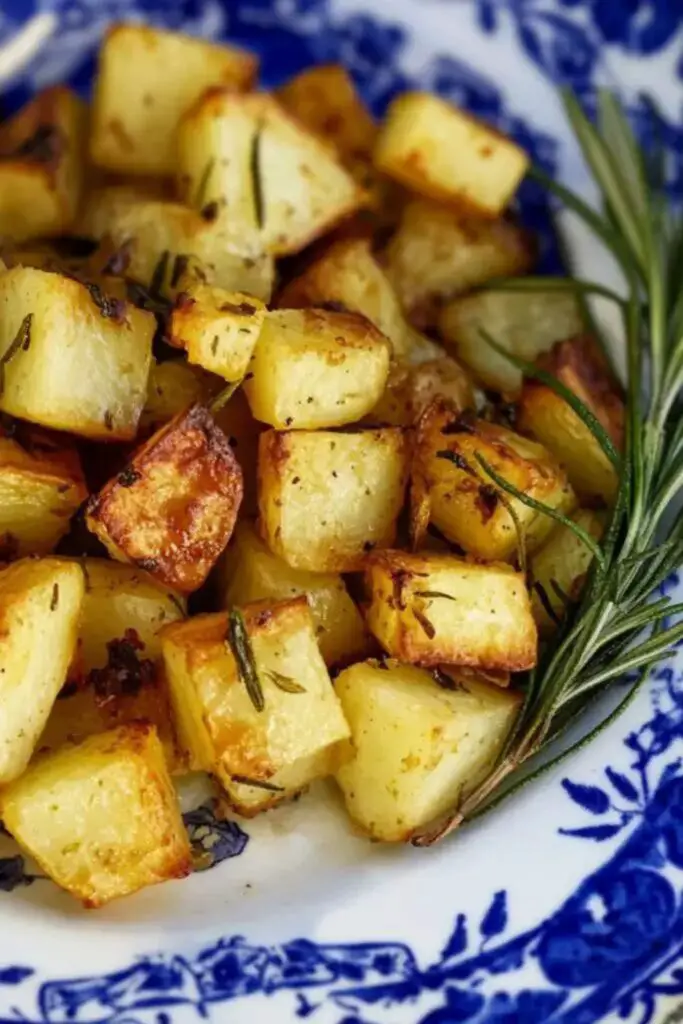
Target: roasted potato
158, 241
429, 608
248, 571
316, 368
439, 151
101, 818
559, 570
579, 365
419, 748
237, 423
41, 487
464, 503
525, 323
146, 80
264, 744
246, 159
172, 387
439, 251
41, 604
410, 389
328, 498
217, 329
172, 510
94, 381
41, 165
347, 277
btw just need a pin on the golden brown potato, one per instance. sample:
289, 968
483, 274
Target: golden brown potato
40, 602
525, 323
464, 503
439, 251
146, 80
237, 423
248, 571
173, 508
559, 570
160, 240
410, 389
580, 366
94, 381
101, 818
430, 608
328, 498
172, 387
348, 278
268, 740
316, 368
432, 147
217, 329
41, 165
248, 162
419, 749
41, 487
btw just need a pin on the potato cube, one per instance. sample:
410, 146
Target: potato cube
218, 329
525, 323
559, 570
249, 571
315, 368
326, 499
438, 251
431, 608
419, 749
41, 606
260, 757
410, 389
580, 366
172, 387
325, 100
464, 502
173, 508
348, 277
245, 158
432, 147
41, 487
146, 80
161, 238
73, 359
101, 818
41, 165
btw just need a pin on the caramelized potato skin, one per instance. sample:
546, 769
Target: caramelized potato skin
173, 509
579, 365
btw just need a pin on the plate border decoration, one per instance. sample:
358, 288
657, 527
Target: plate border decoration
613, 944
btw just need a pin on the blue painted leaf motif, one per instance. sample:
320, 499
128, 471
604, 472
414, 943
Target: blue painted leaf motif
13, 873
486, 15
562, 49
212, 839
495, 919
15, 975
597, 832
623, 785
591, 798
457, 943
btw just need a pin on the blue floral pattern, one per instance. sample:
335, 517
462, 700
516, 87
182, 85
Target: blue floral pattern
614, 944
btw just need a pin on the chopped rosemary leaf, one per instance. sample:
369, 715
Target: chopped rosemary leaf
546, 603
223, 397
255, 169
426, 625
284, 683
54, 600
239, 644
433, 594
199, 200
21, 340
159, 274
245, 780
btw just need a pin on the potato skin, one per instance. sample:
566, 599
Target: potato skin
101, 818
173, 509
432, 608
580, 366
328, 498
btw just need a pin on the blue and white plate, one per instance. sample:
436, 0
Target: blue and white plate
566, 905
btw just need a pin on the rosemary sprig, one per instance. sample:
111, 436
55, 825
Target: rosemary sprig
611, 629
239, 644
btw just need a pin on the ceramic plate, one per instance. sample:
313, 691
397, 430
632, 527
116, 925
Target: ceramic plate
566, 904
